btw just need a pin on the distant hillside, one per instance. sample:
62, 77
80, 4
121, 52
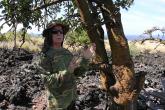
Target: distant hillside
138, 37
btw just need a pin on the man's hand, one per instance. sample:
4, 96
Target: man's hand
86, 53
89, 52
73, 64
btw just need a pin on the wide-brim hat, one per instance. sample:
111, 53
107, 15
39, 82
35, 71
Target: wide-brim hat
50, 26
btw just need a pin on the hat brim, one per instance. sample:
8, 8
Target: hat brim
46, 31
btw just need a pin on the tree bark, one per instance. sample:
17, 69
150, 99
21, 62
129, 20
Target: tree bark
96, 35
128, 86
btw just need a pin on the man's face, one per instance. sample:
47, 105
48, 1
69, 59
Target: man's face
57, 35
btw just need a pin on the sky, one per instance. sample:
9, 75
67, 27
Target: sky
143, 14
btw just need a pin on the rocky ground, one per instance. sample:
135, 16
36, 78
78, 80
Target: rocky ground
20, 83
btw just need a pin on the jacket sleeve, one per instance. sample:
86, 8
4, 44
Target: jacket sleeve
44, 68
44, 64
84, 63
55, 73
84, 66
40, 67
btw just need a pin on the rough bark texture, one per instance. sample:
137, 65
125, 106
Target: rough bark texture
96, 35
123, 67
127, 86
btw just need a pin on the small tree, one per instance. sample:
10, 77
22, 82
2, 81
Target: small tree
149, 35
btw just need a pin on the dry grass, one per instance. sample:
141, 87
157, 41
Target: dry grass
34, 44
151, 46
137, 47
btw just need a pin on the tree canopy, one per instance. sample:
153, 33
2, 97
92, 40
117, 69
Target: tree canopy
41, 12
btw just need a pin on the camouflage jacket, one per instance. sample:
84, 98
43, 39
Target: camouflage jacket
59, 82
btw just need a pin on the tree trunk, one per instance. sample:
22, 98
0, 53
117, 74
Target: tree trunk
127, 86
96, 35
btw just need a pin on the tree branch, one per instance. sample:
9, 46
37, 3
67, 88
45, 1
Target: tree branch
49, 4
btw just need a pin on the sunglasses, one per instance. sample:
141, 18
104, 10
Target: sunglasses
56, 31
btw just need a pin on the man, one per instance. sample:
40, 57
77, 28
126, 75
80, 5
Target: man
58, 66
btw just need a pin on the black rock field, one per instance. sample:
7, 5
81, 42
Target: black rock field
20, 83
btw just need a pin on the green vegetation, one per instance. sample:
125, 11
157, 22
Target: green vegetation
9, 36
32, 43
77, 37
